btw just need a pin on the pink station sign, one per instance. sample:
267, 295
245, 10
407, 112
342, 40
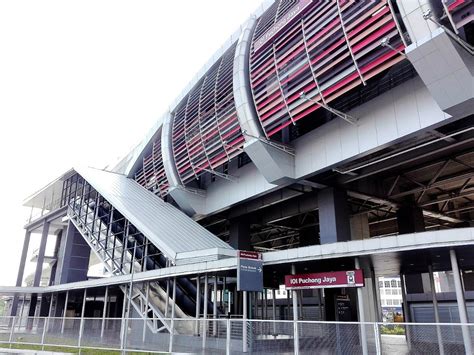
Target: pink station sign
350, 278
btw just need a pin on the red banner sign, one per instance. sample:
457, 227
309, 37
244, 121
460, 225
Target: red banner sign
250, 255
351, 278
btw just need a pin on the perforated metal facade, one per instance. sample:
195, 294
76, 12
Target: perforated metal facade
324, 48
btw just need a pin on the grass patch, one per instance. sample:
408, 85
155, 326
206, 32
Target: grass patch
392, 330
63, 349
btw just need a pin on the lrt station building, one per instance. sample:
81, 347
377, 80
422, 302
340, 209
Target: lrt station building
329, 142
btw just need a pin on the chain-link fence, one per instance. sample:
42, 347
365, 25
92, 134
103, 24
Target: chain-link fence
236, 336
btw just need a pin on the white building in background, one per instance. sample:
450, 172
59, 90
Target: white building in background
391, 301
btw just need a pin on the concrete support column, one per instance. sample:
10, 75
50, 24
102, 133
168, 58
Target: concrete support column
321, 309
360, 304
41, 251
39, 268
359, 225
410, 219
461, 302
376, 297
21, 271
24, 253
58, 310
333, 216
406, 311
436, 310
239, 232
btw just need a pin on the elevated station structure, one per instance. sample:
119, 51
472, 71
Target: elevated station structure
328, 136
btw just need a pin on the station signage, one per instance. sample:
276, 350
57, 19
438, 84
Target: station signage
249, 271
273, 31
350, 278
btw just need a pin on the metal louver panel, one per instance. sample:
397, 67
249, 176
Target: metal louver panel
459, 12
324, 48
205, 129
152, 175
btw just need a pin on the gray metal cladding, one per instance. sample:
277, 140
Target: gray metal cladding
164, 225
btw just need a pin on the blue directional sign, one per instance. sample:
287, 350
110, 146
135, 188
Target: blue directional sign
249, 272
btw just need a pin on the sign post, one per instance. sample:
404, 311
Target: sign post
249, 271
249, 278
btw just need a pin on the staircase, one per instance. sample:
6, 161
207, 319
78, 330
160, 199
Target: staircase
117, 258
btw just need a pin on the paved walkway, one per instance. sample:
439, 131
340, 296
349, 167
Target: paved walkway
394, 345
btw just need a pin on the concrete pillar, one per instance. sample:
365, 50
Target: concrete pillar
410, 219
21, 271
39, 268
73, 257
239, 231
360, 226
376, 297
45, 305
60, 300
333, 216
41, 251
24, 252
406, 310
461, 302
436, 310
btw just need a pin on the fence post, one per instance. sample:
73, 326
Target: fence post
294, 296
45, 326
10, 339
227, 349
173, 314
378, 347
81, 327
244, 322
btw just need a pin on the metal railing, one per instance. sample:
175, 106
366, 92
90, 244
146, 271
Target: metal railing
50, 206
224, 336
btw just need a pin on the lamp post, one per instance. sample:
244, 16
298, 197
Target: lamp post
129, 301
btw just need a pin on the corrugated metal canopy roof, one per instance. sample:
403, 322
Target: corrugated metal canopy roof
172, 231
